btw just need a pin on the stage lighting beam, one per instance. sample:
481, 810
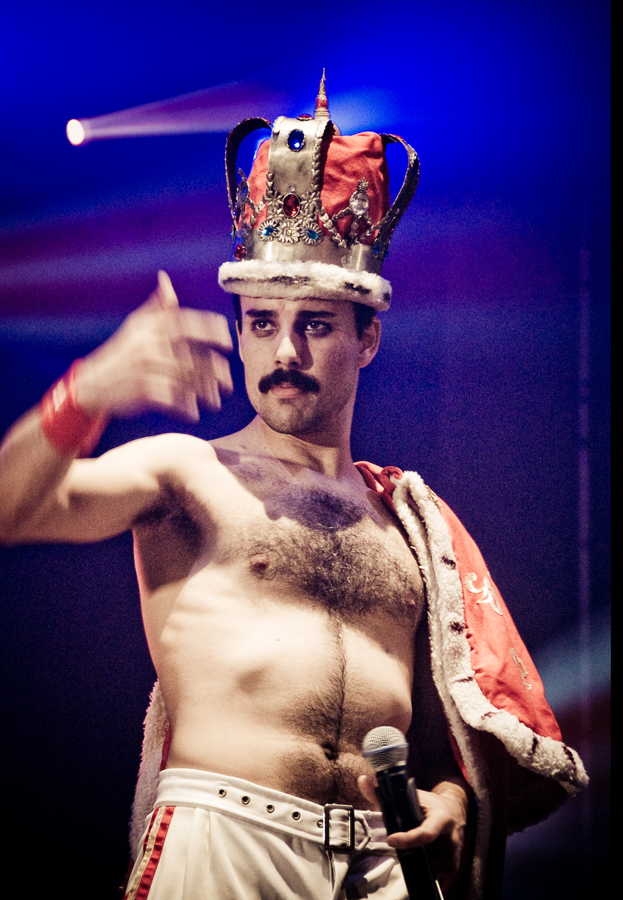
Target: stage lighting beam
215, 109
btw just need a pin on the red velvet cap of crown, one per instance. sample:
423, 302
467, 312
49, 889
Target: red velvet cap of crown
349, 159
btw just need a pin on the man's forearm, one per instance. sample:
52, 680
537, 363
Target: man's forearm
39, 449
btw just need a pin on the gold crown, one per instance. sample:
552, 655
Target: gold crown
313, 196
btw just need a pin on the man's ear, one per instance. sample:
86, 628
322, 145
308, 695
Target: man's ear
370, 342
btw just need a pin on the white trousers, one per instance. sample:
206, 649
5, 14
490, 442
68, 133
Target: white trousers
216, 838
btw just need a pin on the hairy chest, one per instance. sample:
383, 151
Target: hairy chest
352, 571
311, 541
331, 546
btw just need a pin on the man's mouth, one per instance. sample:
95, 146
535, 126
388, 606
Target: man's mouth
281, 378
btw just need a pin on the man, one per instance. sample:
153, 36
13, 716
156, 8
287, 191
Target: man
286, 607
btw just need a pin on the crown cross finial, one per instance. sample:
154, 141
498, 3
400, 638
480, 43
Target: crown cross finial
322, 104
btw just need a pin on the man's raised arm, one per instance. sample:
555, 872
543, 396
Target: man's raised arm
162, 357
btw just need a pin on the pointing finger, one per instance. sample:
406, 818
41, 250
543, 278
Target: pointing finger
163, 297
165, 292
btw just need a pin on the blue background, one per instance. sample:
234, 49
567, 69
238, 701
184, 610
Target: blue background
476, 385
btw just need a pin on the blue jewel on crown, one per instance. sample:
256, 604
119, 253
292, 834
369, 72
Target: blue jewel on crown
267, 231
312, 235
296, 140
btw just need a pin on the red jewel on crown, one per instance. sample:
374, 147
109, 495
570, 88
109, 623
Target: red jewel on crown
291, 205
240, 252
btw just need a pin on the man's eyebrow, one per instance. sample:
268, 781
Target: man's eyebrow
260, 313
301, 314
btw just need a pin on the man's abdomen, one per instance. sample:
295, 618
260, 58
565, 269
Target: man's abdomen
278, 690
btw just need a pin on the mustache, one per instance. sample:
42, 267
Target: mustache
294, 377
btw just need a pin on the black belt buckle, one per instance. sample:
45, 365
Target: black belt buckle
344, 848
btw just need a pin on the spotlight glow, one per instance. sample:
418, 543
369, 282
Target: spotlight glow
214, 109
75, 132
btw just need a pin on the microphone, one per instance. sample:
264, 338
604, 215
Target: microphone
386, 750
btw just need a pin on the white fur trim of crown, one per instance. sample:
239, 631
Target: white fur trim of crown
300, 280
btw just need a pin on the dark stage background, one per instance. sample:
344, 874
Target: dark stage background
492, 380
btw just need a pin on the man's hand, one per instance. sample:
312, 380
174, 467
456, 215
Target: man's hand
442, 831
162, 357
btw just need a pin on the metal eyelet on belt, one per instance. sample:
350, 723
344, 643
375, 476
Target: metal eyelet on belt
222, 792
246, 800
296, 816
270, 808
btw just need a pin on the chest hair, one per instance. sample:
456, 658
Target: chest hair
334, 551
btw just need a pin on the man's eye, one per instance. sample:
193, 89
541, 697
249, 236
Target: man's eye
317, 328
262, 326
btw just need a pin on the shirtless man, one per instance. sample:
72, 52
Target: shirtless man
282, 600
279, 639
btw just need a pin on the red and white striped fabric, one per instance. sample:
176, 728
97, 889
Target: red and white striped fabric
144, 871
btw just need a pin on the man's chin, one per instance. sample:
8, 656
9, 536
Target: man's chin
288, 420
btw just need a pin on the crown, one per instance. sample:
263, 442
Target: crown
314, 217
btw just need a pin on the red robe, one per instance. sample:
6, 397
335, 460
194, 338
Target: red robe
504, 734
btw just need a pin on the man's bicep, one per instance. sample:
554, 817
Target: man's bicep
98, 498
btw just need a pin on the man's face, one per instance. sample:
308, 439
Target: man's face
302, 361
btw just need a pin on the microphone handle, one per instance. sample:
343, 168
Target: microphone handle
401, 810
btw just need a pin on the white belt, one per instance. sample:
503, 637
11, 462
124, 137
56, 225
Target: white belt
339, 827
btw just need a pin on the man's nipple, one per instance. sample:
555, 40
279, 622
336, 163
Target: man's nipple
259, 565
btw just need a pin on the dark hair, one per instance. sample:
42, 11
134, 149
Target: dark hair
363, 315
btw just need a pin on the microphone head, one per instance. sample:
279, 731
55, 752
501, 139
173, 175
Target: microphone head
385, 747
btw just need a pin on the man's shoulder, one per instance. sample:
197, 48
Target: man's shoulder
186, 469
162, 452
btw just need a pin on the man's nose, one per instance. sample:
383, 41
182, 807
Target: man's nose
287, 354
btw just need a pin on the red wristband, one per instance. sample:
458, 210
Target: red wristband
67, 427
